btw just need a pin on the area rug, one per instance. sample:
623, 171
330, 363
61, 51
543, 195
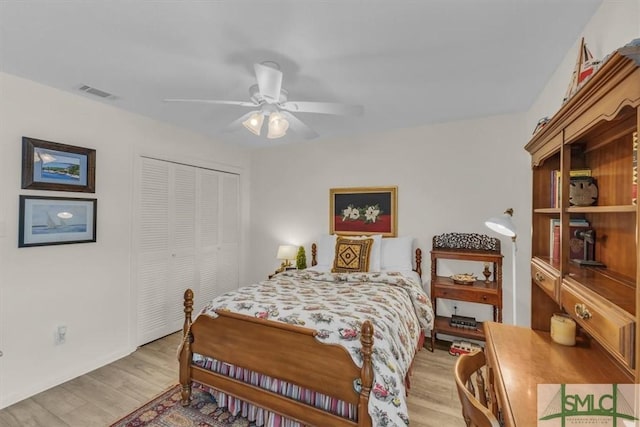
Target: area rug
166, 411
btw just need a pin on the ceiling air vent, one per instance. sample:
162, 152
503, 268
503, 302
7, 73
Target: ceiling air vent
96, 92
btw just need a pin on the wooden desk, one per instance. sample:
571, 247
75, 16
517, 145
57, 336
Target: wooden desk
521, 358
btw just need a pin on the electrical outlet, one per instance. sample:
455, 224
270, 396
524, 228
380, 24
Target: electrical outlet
60, 336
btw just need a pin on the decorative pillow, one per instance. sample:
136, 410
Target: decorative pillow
375, 257
397, 254
352, 255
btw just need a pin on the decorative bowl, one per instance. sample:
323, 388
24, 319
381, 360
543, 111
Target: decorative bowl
464, 279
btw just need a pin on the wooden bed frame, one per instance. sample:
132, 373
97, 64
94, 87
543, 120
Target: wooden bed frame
279, 350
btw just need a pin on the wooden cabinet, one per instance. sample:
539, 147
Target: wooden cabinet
482, 250
594, 132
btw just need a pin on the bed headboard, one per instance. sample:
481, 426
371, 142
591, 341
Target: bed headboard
418, 261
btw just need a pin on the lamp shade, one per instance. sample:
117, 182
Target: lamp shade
287, 252
254, 122
503, 224
278, 125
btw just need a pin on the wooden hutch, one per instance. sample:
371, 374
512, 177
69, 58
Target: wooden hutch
595, 130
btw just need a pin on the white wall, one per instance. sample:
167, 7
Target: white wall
614, 24
84, 286
451, 178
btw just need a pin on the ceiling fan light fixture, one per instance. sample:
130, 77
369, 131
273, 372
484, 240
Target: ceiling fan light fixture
254, 123
278, 125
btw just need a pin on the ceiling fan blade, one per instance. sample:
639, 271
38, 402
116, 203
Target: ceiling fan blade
237, 123
298, 126
269, 81
212, 101
323, 108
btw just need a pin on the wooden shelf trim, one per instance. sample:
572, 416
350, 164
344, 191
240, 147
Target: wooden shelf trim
442, 326
613, 73
620, 290
602, 209
550, 211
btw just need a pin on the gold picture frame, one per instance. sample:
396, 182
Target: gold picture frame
364, 211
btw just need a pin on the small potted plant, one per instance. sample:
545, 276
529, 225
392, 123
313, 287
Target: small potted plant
301, 259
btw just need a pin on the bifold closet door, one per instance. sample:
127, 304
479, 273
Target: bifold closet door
218, 236
229, 271
166, 248
188, 237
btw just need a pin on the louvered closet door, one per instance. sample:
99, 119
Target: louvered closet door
229, 271
167, 251
209, 183
188, 238
219, 224
182, 260
152, 279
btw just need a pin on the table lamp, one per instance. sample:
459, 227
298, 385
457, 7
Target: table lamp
286, 253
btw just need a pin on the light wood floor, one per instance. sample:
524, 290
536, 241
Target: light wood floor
103, 396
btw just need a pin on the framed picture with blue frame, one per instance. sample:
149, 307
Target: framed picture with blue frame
53, 166
56, 220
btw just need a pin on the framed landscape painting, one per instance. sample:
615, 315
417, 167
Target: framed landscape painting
56, 221
53, 166
363, 211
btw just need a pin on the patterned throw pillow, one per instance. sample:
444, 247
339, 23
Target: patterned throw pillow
352, 255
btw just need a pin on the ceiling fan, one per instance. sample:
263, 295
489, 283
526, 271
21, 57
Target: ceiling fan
269, 99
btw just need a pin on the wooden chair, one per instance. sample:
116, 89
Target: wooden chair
473, 398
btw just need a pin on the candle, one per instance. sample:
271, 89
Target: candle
563, 329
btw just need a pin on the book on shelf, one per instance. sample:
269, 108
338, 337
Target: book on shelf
576, 245
555, 188
634, 171
579, 172
556, 183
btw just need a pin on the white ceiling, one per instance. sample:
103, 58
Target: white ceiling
408, 62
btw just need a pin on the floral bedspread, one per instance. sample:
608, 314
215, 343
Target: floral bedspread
336, 305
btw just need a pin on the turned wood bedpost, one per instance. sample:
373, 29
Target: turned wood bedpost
366, 374
185, 352
314, 254
419, 261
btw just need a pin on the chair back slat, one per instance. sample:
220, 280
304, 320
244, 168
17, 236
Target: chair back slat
475, 410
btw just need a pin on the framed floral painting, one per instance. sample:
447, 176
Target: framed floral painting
363, 211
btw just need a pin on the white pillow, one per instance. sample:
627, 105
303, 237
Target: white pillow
397, 254
375, 256
326, 245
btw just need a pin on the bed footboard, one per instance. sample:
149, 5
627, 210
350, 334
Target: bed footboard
279, 350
